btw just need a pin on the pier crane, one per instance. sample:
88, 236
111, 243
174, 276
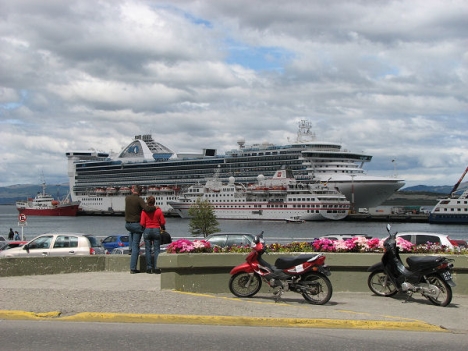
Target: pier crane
455, 187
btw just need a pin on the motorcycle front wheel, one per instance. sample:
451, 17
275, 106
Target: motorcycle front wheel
318, 288
379, 283
445, 296
244, 284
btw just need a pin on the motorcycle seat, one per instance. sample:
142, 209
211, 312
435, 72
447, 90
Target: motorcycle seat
288, 262
424, 262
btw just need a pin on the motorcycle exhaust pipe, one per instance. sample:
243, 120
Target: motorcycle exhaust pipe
407, 286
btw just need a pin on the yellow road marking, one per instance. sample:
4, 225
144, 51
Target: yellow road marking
223, 320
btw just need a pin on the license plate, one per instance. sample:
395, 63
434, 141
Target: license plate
447, 275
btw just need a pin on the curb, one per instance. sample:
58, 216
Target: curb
223, 320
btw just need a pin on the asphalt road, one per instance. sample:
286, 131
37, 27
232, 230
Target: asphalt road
71, 336
137, 298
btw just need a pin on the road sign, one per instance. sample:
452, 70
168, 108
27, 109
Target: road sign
22, 217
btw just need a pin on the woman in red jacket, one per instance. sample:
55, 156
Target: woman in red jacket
153, 222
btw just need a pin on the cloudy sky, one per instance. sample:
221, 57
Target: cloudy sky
385, 77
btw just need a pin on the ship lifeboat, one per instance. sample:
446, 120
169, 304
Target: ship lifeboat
100, 191
111, 190
259, 190
165, 189
55, 203
125, 190
153, 189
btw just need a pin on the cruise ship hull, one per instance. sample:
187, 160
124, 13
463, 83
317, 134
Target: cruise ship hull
448, 218
247, 213
367, 194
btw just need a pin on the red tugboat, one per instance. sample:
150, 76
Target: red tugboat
45, 205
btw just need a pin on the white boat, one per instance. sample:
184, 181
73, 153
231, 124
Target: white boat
295, 219
150, 164
269, 199
452, 209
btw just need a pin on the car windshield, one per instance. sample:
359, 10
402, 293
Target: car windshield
42, 242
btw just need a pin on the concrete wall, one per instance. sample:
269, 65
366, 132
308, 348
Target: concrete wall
209, 273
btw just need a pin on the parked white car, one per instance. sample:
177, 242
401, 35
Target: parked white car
73, 244
422, 238
343, 236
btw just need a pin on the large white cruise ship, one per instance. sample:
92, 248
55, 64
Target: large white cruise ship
101, 182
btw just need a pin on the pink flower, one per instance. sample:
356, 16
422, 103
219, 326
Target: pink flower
404, 245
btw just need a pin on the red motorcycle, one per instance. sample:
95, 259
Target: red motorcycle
303, 274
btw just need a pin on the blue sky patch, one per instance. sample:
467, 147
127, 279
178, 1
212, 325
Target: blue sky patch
261, 58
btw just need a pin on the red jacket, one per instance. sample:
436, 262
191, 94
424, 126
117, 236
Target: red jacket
152, 219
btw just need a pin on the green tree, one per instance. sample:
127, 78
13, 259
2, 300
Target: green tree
203, 220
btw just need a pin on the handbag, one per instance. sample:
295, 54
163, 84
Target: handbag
165, 237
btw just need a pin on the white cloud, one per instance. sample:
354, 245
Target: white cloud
388, 78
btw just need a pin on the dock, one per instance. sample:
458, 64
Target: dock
405, 218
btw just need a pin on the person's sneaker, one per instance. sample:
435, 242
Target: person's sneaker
149, 271
157, 271
133, 271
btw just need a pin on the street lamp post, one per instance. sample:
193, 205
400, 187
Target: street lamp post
352, 193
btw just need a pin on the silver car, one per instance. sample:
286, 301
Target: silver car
230, 239
73, 244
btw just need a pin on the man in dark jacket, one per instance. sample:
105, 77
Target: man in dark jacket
134, 204
11, 234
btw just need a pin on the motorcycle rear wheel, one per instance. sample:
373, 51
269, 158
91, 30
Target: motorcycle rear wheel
244, 284
380, 284
319, 288
445, 296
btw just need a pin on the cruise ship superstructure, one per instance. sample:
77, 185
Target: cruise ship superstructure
101, 182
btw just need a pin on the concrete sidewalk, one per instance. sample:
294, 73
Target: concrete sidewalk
122, 297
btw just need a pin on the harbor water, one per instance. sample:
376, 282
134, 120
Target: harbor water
274, 231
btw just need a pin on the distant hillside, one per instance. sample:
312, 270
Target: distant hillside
443, 189
10, 194
413, 198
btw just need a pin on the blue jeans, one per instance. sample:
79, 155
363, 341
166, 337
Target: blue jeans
135, 231
152, 243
